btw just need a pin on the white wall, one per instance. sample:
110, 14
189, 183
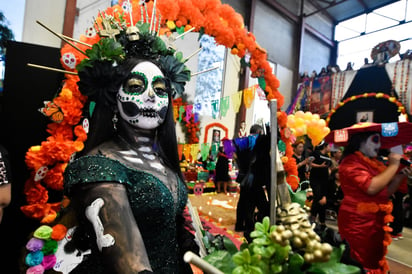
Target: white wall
87, 10
286, 87
48, 12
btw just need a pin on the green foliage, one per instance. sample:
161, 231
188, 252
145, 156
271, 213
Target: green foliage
334, 265
5, 33
105, 50
264, 256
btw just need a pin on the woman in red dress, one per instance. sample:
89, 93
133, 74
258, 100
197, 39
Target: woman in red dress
366, 209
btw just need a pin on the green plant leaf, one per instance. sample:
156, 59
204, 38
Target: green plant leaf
229, 245
334, 265
257, 233
222, 260
296, 262
238, 258
266, 223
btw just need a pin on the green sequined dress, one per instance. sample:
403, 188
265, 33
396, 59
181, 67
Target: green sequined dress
151, 201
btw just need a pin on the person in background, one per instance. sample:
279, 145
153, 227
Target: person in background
398, 211
336, 155
242, 130
5, 180
319, 177
334, 195
243, 155
398, 204
301, 160
222, 171
367, 185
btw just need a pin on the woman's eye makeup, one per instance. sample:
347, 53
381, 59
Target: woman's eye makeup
159, 86
136, 84
376, 139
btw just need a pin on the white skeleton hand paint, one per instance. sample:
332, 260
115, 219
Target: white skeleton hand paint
143, 99
92, 214
371, 146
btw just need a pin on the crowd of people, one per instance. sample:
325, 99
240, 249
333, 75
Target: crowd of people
344, 180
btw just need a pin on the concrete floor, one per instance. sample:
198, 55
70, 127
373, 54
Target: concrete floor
399, 252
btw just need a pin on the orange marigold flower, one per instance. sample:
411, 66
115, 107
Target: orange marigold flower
54, 177
49, 217
36, 211
35, 192
179, 23
80, 133
66, 94
58, 232
78, 145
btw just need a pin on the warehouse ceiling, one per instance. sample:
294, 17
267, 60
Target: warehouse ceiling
341, 10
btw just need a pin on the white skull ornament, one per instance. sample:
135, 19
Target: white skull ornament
69, 60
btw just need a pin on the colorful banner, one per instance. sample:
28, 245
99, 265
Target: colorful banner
224, 106
236, 101
320, 98
249, 96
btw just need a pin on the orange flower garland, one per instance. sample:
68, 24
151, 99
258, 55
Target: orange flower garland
67, 137
289, 163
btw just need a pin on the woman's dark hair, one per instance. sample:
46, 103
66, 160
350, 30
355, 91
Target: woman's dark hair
354, 142
256, 129
322, 145
102, 129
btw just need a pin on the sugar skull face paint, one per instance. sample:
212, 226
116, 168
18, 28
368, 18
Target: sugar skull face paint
143, 98
371, 146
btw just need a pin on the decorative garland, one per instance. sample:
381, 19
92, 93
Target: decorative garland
289, 163
379, 95
48, 160
403, 84
187, 120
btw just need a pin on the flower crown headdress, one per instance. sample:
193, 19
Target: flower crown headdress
120, 42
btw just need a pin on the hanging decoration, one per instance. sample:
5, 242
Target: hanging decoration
236, 101
224, 106
187, 119
248, 96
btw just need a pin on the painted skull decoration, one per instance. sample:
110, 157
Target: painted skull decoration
143, 98
198, 189
69, 60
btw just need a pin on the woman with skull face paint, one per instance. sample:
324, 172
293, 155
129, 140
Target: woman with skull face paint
127, 182
365, 210
127, 194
